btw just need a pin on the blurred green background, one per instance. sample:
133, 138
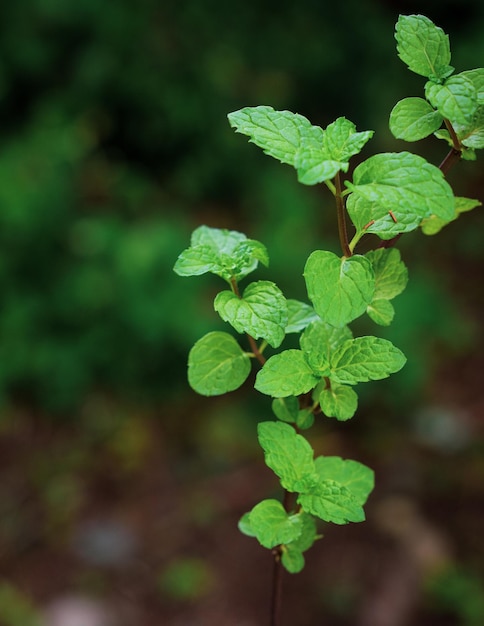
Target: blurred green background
114, 146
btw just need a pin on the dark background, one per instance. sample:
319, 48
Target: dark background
120, 488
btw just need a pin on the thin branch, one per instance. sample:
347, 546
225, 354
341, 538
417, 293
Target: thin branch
340, 207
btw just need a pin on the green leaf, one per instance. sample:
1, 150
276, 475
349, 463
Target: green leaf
271, 524
305, 419
319, 340
391, 274
342, 141
289, 137
286, 374
280, 134
339, 288
261, 311
226, 253
423, 46
413, 119
356, 477
244, 525
393, 192
292, 554
339, 401
433, 225
477, 78
381, 312
299, 315
332, 502
455, 100
217, 364
365, 358
286, 409
288, 454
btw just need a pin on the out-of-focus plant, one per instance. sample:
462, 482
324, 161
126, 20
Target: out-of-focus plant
388, 195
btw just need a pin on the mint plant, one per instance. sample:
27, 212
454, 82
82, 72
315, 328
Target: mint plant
388, 195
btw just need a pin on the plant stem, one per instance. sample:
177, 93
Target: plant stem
340, 207
276, 596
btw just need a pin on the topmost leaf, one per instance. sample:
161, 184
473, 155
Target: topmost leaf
316, 154
423, 46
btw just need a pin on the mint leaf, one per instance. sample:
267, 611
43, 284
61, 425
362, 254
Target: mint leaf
455, 100
313, 165
217, 364
472, 135
381, 312
332, 502
319, 340
288, 454
433, 225
342, 141
413, 119
305, 419
271, 524
477, 78
286, 409
292, 553
365, 358
286, 374
423, 46
393, 192
356, 477
226, 253
299, 315
391, 274
338, 401
260, 312
244, 525
339, 288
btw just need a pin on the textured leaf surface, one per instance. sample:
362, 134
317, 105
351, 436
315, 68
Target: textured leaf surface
403, 183
271, 524
260, 312
391, 274
423, 46
299, 315
413, 119
217, 364
319, 341
226, 253
332, 502
342, 141
288, 454
286, 374
365, 358
455, 100
339, 288
339, 401
356, 477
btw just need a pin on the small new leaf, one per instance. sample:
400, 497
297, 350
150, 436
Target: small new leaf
413, 119
261, 311
423, 46
217, 364
339, 288
381, 312
226, 253
286, 409
292, 554
342, 141
365, 358
288, 454
272, 526
286, 374
339, 401
319, 341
